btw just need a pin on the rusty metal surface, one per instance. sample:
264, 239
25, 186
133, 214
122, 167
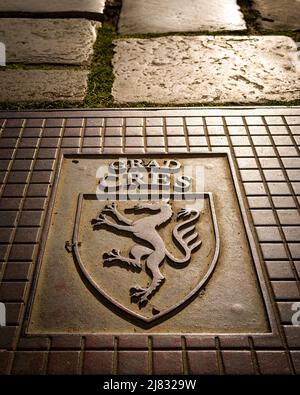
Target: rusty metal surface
244, 316
229, 303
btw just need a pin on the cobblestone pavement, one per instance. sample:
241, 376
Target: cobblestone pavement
196, 68
262, 146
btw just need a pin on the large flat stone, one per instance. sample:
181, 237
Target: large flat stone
67, 41
42, 85
52, 6
204, 69
156, 16
283, 14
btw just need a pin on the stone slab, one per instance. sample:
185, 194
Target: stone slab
155, 16
61, 41
42, 85
205, 69
44, 6
278, 15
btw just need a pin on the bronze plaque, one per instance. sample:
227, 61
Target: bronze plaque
147, 265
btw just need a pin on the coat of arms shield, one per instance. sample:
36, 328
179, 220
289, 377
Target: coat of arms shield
148, 259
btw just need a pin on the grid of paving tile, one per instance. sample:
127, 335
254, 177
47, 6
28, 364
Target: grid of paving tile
263, 144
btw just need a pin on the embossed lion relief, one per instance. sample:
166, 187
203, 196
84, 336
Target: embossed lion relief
152, 247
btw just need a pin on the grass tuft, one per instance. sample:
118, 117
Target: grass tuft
101, 76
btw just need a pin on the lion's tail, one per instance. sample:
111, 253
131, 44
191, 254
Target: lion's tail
186, 237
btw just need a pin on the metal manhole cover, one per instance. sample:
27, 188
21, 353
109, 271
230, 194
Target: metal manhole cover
121, 246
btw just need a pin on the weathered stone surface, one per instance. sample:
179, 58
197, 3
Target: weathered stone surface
206, 69
283, 14
155, 16
66, 41
52, 6
42, 85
